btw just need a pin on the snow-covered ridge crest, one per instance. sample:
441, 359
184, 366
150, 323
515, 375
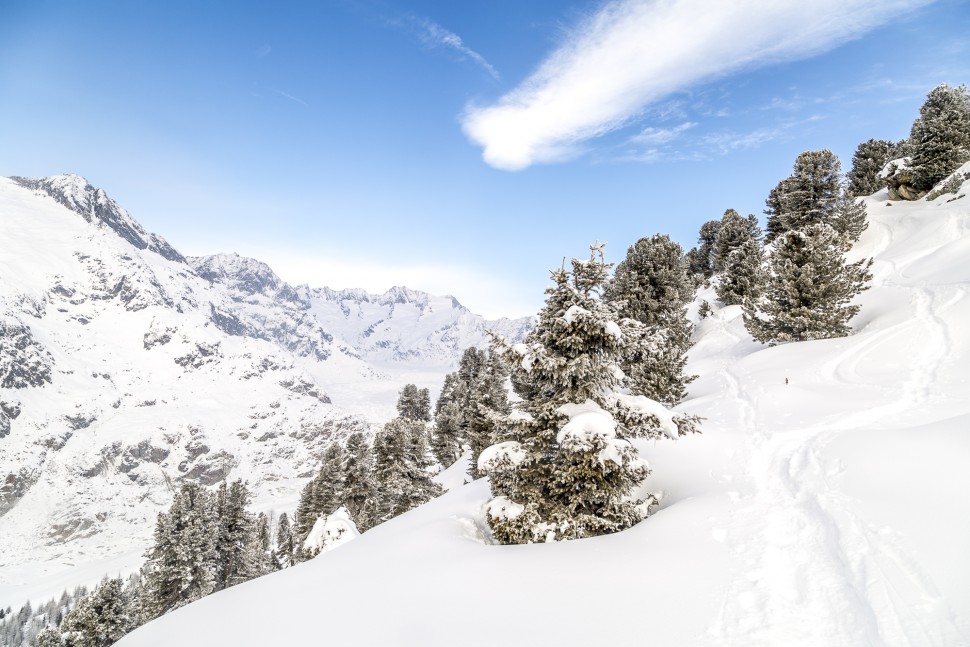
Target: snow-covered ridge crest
94, 205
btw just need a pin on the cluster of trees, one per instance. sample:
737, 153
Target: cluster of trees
470, 408
793, 280
938, 144
566, 467
373, 482
205, 542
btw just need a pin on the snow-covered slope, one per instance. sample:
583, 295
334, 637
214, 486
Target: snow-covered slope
824, 504
125, 368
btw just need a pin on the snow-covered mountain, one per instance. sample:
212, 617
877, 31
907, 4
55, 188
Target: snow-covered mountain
824, 504
126, 367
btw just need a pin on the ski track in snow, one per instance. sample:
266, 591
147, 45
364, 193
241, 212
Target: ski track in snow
812, 572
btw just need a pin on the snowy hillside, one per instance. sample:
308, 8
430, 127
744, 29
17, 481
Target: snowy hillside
824, 504
126, 368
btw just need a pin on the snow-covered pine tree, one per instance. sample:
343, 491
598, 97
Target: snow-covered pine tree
181, 565
49, 637
237, 560
868, 160
414, 403
401, 467
701, 261
940, 136
321, 496
487, 408
360, 488
446, 436
744, 277
570, 471
99, 619
774, 210
809, 289
734, 232
813, 190
653, 286
284, 541
850, 218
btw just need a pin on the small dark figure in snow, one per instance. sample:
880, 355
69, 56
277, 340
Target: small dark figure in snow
786, 380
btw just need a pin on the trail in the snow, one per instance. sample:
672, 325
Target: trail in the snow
813, 572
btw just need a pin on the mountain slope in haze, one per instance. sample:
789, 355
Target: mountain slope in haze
824, 503
126, 368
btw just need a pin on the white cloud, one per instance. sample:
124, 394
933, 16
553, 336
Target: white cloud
433, 34
661, 135
632, 53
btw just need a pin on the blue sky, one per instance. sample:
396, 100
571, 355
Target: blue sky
455, 147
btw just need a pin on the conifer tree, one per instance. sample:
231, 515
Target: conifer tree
99, 619
447, 437
414, 403
940, 136
702, 260
869, 159
775, 209
49, 637
652, 286
570, 471
734, 232
284, 541
744, 277
321, 496
850, 218
809, 290
488, 406
237, 560
360, 486
181, 565
401, 467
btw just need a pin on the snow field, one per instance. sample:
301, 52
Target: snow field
824, 504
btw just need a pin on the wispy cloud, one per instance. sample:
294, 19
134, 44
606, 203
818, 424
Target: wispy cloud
661, 135
263, 51
434, 35
632, 53
292, 98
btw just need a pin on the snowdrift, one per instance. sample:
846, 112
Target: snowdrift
825, 503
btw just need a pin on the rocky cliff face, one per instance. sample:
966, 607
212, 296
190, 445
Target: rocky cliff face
126, 368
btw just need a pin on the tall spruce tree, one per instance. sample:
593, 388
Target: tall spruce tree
570, 471
488, 406
414, 403
809, 290
321, 496
401, 467
181, 564
360, 487
744, 277
99, 619
284, 541
447, 438
652, 286
701, 261
869, 159
238, 544
940, 136
734, 232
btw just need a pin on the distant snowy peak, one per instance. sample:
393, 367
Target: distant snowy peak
407, 325
94, 205
244, 276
